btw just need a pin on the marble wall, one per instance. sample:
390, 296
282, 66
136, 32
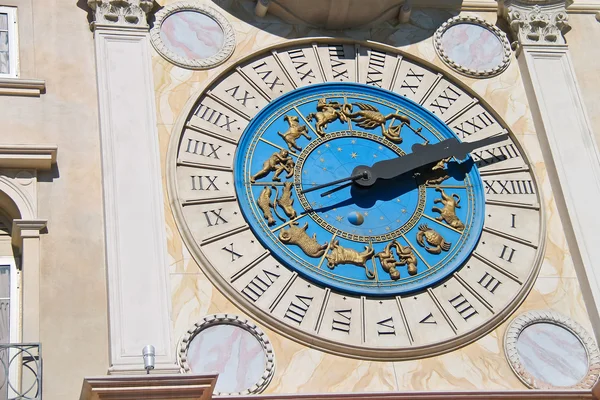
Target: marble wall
56, 45
480, 365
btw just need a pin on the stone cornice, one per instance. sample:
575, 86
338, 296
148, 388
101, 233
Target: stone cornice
121, 13
27, 156
539, 22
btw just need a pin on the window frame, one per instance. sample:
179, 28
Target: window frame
15, 297
13, 42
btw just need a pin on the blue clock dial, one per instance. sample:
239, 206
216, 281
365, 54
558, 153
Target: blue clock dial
396, 236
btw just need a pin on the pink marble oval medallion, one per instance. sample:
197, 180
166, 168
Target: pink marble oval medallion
192, 35
552, 354
231, 351
473, 47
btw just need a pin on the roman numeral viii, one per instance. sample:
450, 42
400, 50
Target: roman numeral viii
202, 148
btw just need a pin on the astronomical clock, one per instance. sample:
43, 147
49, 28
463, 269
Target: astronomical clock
356, 200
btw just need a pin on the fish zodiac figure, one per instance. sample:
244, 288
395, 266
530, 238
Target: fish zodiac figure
369, 117
298, 237
265, 205
285, 202
433, 238
448, 212
326, 113
342, 255
389, 261
278, 162
293, 133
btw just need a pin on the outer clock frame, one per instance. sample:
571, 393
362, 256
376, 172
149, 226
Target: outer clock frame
365, 348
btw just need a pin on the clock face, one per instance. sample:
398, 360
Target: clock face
407, 267
397, 236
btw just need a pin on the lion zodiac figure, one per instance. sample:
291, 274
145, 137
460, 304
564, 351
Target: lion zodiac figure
326, 113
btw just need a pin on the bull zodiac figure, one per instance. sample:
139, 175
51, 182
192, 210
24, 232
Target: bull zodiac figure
369, 117
448, 212
294, 132
342, 255
278, 162
326, 113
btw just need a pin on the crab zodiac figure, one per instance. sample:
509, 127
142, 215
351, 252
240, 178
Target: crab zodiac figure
369, 117
294, 132
433, 238
278, 162
326, 113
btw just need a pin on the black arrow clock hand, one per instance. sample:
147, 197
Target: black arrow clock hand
421, 156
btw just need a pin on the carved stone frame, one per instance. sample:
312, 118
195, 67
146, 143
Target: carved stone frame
551, 317
199, 63
242, 323
474, 20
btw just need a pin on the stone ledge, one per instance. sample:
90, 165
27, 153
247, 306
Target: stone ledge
149, 387
27, 156
22, 87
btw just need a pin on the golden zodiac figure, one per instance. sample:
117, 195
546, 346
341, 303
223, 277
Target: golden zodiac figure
437, 174
285, 201
278, 162
389, 262
369, 117
341, 255
326, 113
265, 205
294, 132
298, 236
433, 239
448, 212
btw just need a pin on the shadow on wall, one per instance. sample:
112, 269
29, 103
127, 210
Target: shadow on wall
382, 23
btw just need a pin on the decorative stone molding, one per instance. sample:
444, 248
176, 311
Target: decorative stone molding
198, 63
22, 228
537, 21
40, 157
148, 387
529, 318
123, 13
229, 319
474, 20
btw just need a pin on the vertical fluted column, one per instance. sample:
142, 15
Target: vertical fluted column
570, 151
137, 271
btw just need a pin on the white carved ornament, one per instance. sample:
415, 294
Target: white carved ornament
468, 19
537, 22
551, 317
124, 13
242, 323
198, 63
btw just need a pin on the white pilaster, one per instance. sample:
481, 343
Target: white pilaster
138, 292
570, 152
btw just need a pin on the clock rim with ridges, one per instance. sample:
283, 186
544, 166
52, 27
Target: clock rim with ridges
313, 340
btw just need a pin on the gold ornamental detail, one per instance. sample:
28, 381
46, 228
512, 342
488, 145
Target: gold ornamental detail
343, 255
297, 236
433, 238
448, 212
389, 262
279, 161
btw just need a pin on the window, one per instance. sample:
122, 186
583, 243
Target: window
8, 42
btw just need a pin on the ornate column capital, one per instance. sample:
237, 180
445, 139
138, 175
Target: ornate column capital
536, 21
121, 13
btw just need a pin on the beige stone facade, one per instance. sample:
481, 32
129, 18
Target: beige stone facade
84, 303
